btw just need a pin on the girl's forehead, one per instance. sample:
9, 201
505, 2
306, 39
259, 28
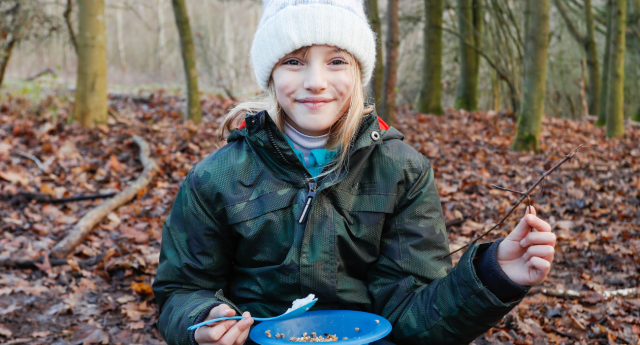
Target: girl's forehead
324, 49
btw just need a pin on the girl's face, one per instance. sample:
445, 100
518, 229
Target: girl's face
313, 90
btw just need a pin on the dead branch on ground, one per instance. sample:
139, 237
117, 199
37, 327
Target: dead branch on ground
92, 218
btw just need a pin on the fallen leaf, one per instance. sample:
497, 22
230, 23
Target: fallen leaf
5, 332
40, 334
137, 236
14, 177
141, 288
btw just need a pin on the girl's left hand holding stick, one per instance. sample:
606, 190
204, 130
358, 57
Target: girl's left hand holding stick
228, 332
525, 255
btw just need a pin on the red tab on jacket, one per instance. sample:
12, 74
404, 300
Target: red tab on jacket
383, 124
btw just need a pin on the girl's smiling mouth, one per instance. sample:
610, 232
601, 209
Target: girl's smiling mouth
315, 102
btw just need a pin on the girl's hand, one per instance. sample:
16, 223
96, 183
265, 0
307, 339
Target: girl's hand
525, 255
227, 332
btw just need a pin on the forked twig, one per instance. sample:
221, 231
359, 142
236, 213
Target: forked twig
524, 196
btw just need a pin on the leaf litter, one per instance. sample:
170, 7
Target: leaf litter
592, 204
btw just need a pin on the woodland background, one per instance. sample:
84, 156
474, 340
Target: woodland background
511, 93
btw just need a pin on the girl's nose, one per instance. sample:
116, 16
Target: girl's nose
315, 79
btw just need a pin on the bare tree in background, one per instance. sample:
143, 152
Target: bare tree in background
589, 43
470, 25
634, 45
90, 106
189, 60
602, 114
377, 82
391, 66
535, 72
615, 92
429, 100
14, 19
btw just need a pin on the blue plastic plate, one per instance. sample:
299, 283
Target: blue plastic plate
342, 323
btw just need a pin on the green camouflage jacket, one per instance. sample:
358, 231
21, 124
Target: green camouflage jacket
247, 230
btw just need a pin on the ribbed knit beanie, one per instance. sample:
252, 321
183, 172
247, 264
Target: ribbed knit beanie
287, 25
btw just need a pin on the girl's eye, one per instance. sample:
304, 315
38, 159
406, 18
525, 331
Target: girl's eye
341, 62
287, 62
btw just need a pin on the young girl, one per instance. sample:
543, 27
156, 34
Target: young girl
314, 193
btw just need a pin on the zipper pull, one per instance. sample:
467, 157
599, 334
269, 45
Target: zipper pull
307, 204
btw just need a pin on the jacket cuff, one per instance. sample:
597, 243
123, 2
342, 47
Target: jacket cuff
203, 315
493, 277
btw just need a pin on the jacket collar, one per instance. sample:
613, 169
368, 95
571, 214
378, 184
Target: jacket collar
263, 135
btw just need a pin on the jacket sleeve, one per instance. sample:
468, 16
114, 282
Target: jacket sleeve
194, 262
426, 301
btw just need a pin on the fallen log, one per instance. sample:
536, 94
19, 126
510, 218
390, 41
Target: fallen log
36, 264
26, 197
568, 293
85, 225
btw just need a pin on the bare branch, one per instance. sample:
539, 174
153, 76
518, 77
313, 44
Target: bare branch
524, 196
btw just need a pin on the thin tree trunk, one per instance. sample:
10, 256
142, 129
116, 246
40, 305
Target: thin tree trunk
90, 106
495, 91
589, 44
593, 67
602, 114
535, 72
21, 21
377, 82
4, 58
189, 60
67, 20
390, 72
634, 23
120, 34
162, 41
470, 26
615, 95
429, 99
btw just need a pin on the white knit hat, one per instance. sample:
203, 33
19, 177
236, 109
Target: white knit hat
287, 25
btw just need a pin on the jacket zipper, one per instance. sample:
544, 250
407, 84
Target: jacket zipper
312, 183
307, 204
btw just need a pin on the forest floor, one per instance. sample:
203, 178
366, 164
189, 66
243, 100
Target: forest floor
592, 203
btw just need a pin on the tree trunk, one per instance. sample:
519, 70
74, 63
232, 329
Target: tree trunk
189, 60
591, 53
634, 23
21, 20
495, 91
429, 100
593, 67
120, 34
602, 114
4, 58
90, 106
470, 26
536, 48
615, 94
377, 82
390, 72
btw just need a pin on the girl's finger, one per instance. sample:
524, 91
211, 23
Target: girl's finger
544, 252
537, 223
212, 334
539, 238
243, 336
234, 333
222, 310
540, 264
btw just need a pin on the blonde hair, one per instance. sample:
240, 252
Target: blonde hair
340, 133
